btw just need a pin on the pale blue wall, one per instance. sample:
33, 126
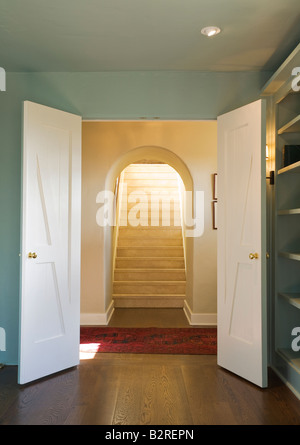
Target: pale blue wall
126, 95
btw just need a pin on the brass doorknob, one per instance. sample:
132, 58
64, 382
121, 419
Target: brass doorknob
32, 255
253, 256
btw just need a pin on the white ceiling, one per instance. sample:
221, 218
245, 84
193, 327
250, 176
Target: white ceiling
139, 35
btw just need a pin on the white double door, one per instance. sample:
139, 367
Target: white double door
51, 210
242, 292
50, 285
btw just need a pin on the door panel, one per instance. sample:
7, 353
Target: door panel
241, 243
50, 293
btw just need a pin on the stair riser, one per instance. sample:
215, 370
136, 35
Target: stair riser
149, 252
138, 213
155, 208
150, 232
151, 289
146, 242
149, 275
148, 208
158, 182
151, 191
142, 222
146, 263
153, 175
167, 196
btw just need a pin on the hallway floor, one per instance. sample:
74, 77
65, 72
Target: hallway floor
140, 389
158, 317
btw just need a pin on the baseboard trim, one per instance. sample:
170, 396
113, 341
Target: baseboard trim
100, 319
198, 318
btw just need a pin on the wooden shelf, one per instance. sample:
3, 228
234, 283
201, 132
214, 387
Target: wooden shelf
292, 298
291, 127
290, 255
289, 212
291, 356
293, 168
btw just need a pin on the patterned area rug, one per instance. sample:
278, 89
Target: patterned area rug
149, 340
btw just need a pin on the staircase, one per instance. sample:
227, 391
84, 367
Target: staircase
149, 266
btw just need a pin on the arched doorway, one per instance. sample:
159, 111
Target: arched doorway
149, 254
148, 155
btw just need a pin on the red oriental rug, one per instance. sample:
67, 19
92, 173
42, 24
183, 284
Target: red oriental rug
149, 340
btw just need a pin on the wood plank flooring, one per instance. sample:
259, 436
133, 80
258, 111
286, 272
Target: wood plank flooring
140, 389
161, 318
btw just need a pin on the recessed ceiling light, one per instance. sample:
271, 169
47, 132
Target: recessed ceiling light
210, 31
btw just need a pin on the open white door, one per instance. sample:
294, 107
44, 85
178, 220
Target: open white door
50, 289
242, 320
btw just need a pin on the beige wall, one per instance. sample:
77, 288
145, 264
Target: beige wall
103, 145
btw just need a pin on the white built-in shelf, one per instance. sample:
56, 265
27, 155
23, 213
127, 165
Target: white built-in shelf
293, 168
289, 212
283, 73
290, 255
291, 356
284, 124
291, 127
292, 298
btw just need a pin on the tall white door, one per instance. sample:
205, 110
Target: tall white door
242, 347
50, 287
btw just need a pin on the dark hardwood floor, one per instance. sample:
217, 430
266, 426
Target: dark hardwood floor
140, 389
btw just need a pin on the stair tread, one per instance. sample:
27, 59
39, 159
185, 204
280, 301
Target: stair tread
157, 269
152, 282
124, 237
178, 228
149, 247
154, 269
148, 295
152, 257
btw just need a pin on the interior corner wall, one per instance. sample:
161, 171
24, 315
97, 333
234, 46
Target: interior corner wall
107, 95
